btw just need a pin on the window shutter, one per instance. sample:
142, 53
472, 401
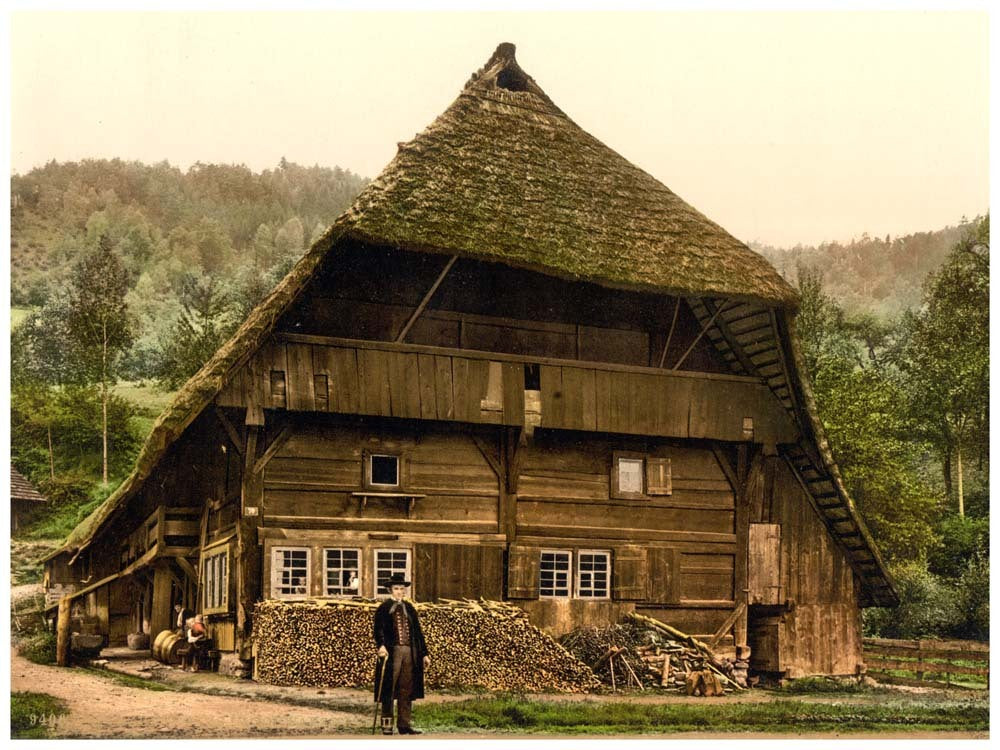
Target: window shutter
658, 480
628, 573
522, 572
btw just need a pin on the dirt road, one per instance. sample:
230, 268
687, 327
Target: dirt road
99, 708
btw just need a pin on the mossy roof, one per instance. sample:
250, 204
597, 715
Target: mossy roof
504, 175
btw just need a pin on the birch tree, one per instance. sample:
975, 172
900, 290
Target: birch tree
98, 322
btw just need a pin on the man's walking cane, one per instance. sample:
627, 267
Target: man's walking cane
378, 695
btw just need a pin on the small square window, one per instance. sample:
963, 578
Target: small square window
384, 470
554, 574
628, 475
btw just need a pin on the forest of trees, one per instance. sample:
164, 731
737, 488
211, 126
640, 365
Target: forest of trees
127, 272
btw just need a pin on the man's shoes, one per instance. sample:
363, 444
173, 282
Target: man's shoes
409, 730
388, 731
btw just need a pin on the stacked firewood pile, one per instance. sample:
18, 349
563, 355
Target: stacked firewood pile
644, 652
481, 643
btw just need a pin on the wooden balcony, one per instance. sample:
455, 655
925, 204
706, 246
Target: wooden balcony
347, 376
167, 532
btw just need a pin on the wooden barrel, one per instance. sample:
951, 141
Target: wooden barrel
165, 647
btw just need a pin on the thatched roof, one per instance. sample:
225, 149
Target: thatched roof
503, 175
22, 489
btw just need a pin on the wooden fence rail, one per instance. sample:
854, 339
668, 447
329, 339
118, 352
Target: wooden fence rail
928, 657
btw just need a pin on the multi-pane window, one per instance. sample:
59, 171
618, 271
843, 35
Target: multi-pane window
289, 572
387, 562
554, 573
216, 580
342, 572
593, 572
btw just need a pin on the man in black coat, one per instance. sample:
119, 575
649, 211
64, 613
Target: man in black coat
403, 654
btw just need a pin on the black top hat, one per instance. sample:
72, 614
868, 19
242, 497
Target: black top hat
396, 579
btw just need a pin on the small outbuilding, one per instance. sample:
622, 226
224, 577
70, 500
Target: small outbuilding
25, 500
519, 368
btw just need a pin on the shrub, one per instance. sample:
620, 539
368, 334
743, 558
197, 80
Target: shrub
929, 606
40, 647
960, 538
973, 592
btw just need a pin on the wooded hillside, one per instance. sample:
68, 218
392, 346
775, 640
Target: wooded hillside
881, 275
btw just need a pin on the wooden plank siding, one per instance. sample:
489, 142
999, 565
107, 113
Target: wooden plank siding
313, 478
421, 382
820, 629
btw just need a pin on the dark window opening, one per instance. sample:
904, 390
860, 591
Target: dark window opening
532, 378
385, 470
512, 80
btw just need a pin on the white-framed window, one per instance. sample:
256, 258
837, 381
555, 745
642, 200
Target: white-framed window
215, 580
387, 562
627, 473
383, 470
554, 571
290, 568
593, 574
341, 571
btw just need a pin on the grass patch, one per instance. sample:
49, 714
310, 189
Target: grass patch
127, 680
39, 647
511, 714
825, 685
149, 399
59, 521
17, 316
32, 715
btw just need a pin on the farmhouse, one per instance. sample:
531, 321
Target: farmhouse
520, 368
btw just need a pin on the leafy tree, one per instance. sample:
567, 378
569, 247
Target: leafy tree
98, 323
867, 429
944, 358
205, 322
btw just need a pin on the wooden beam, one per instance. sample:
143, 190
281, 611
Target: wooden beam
782, 358
730, 338
726, 467
484, 449
670, 334
516, 441
187, 567
446, 351
234, 436
725, 627
426, 299
697, 338
279, 440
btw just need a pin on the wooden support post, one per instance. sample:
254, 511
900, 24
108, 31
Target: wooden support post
702, 332
670, 333
510, 465
741, 582
62, 632
234, 436
247, 558
426, 299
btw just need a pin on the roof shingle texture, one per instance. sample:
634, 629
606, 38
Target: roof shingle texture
505, 175
22, 489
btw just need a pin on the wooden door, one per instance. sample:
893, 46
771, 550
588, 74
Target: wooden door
764, 563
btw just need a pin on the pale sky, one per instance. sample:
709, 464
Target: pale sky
782, 127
